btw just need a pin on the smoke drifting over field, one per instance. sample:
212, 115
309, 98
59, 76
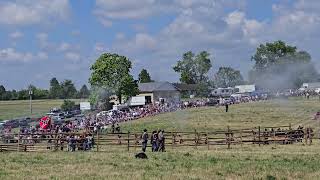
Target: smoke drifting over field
285, 76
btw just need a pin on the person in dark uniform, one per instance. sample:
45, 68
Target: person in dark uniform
112, 128
161, 141
144, 140
154, 141
227, 107
118, 128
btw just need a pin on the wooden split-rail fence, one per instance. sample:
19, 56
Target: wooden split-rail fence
132, 140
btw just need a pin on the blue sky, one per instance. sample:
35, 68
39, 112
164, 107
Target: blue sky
62, 38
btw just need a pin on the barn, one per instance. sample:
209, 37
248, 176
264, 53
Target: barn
150, 93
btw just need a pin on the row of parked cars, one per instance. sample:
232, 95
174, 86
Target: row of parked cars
15, 123
57, 116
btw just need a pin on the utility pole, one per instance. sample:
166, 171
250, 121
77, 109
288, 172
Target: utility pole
30, 94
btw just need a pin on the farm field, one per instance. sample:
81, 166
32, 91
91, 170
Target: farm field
16, 109
275, 161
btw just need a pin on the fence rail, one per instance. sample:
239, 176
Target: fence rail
103, 141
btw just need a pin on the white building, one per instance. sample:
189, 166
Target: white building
245, 88
222, 92
150, 93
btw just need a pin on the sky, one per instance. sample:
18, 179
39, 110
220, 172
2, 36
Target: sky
41, 39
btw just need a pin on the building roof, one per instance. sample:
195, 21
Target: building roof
186, 87
156, 86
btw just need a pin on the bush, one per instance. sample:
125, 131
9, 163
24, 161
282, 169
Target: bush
68, 105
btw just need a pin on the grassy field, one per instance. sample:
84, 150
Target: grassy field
267, 113
254, 162
296, 161
16, 109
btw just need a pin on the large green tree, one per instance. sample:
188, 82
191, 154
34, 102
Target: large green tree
228, 77
280, 66
112, 71
68, 105
144, 76
84, 92
68, 90
55, 88
193, 68
2, 92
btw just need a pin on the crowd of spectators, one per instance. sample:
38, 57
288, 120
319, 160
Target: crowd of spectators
107, 121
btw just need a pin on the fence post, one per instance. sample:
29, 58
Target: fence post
305, 136
241, 138
18, 149
228, 137
135, 141
207, 140
173, 140
195, 138
128, 140
259, 136
97, 141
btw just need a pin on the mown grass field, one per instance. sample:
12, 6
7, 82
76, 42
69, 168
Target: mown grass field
254, 162
16, 109
297, 111
296, 161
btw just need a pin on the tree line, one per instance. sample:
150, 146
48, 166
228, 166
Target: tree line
277, 66
63, 90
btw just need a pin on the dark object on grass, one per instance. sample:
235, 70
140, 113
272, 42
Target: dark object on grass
141, 155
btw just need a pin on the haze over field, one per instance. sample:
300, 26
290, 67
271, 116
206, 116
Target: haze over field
62, 38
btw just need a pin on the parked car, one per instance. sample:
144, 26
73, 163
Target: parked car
58, 116
68, 114
12, 123
212, 102
23, 123
76, 112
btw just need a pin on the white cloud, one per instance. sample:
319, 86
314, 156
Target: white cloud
105, 22
120, 36
64, 46
99, 48
42, 55
16, 35
124, 9
28, 12
43, 41
72, 56
109, 10
235, 18
11, 55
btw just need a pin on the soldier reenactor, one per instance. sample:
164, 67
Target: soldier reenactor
144, 140
154, 141
161, 141
112, 128
309, 135
118, 128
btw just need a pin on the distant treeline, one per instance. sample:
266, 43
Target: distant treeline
64, 90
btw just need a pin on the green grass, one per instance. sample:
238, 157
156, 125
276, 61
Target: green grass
268, 113
16, 109
296, 161
282, 162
